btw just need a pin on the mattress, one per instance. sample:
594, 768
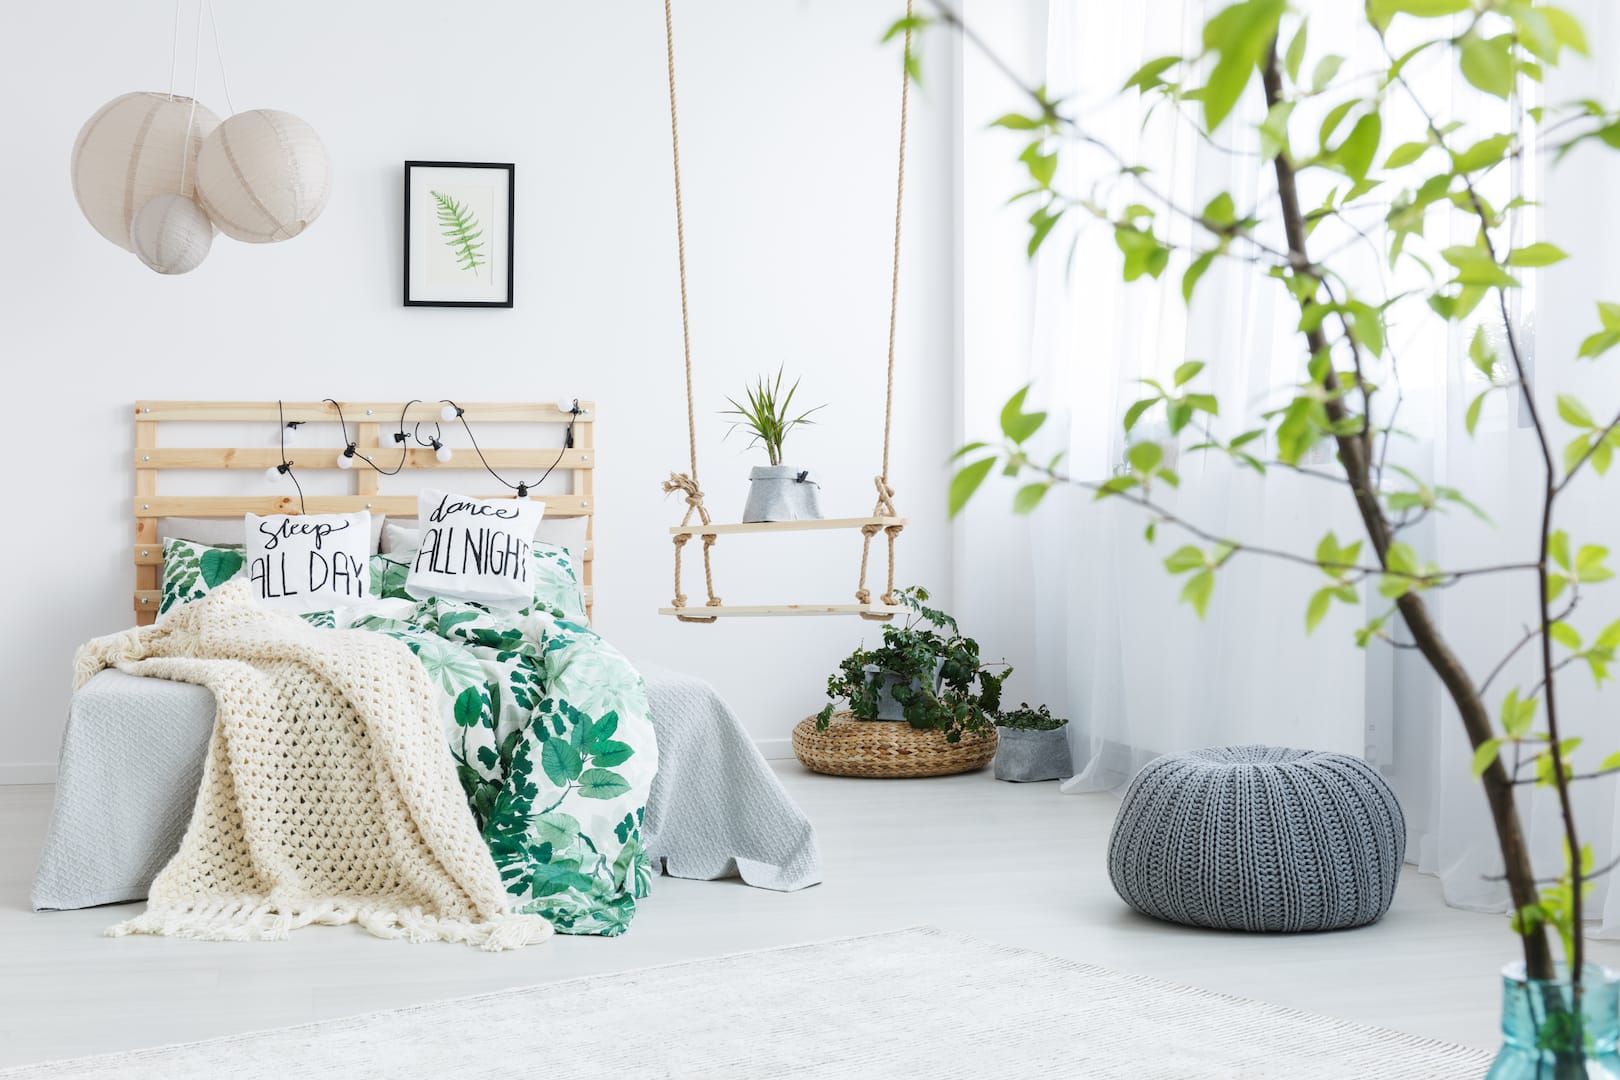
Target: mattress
132, 757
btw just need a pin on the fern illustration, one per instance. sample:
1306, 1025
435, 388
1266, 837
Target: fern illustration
461, 231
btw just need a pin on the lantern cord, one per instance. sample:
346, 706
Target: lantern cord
196, 66
174, 47
219, 57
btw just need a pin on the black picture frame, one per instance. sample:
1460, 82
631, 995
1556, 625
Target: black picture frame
423, 296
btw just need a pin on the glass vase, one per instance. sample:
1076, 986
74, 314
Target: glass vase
1546, 1036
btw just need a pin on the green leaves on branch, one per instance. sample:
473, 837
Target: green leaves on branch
1201, 565
1607, 338
1018, 426
1407, 574
1587, 565
1339, 563
1595, 444
1380, 12
1144, 252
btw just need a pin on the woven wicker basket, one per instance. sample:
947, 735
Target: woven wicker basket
884, 749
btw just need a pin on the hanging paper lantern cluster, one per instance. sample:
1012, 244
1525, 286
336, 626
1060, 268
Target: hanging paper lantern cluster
157, 175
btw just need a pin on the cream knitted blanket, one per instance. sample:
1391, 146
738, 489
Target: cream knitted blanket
327, 796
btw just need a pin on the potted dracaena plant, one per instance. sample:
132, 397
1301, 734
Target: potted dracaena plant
776, 492
925, 673
1392, 154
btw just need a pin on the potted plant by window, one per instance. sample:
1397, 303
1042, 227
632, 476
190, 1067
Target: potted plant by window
925, 673
776, 492
1032, 745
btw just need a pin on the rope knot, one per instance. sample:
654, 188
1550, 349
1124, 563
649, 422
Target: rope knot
687, 483
885, 498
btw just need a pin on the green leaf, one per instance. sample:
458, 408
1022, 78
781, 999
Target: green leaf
1575, 452
1380, 12
1599, 343
469, 706
1149, 74
1017, 424
1317, 609
1134, 413
967, 481
1220, 210
1274, 129
1018, 122
610, 752
560, 761
1296, 52
1355, 155
1558, 548
601, 783
1565, 27
219, 566
1476, 267
1186, 372
1145, 456
1195, 270
1405, 154
1240, 34
1565, 634
1184, 559
1198, 590
1487, 63
1471, 420
1609, 314
1029, 497
460, 228
1537, 255
1482, 154
1485, 755
1326, 68
1573, 412
1481, 354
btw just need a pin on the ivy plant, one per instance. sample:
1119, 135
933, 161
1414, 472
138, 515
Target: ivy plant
934, 673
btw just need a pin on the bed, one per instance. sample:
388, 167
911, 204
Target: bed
133, 748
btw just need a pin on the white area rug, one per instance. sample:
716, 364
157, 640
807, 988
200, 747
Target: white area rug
915, 1003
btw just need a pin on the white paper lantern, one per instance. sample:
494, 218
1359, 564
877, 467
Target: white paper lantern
263, 176
129, 152
171, 234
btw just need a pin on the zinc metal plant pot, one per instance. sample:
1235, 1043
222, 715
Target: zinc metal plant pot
886, 681
781, 493
1023, 756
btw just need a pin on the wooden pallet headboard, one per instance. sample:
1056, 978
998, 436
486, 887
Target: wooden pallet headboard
371, 425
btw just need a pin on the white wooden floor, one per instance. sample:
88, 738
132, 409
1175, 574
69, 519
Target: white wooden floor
1019, 864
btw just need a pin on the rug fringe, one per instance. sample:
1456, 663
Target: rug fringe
245, 920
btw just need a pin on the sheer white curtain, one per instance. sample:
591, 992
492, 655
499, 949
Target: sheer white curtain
1138, 673
1089, 601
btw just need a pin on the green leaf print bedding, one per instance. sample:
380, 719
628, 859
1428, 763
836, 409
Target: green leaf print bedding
550, 732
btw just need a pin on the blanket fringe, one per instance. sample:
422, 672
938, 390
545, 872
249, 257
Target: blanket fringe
243, 920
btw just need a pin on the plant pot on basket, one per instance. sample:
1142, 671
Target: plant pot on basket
781, 493
1024, 756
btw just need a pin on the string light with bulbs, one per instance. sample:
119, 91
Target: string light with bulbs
442, 453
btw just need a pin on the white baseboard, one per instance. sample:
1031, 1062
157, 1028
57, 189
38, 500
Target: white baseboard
28, 772
775, 749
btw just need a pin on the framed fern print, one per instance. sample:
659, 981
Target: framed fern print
458, 233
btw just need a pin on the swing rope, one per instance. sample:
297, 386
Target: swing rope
687, 482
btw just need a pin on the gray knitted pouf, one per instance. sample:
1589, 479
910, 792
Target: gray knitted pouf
1258, 838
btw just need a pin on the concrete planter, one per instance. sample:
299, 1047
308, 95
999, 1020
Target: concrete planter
781, 493
886, 681
1023, 756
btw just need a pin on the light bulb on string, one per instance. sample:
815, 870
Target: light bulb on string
276, 472
441, 452
449, 412
346, 459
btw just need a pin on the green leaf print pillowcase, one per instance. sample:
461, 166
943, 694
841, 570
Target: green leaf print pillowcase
191, 571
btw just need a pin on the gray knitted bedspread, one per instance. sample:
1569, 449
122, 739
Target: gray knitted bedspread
133, 752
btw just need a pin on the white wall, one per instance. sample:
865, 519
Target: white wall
788, 124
